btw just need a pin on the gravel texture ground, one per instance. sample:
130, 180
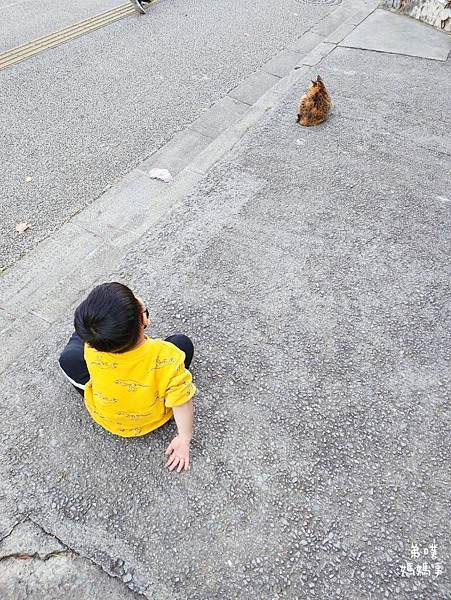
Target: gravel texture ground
310, 269
78, 117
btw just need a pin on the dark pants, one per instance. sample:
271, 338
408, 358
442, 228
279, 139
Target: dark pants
73, 364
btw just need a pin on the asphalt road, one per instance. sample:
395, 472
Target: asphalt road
76, 118
25, 20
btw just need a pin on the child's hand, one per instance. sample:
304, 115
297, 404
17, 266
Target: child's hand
178, 450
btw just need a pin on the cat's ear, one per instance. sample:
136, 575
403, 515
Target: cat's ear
313, 82
318, 79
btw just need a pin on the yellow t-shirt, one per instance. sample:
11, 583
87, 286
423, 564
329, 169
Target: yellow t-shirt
132, 393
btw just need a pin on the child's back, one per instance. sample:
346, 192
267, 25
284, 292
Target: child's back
133, 393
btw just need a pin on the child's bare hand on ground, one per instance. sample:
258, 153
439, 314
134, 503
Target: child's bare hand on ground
178, 451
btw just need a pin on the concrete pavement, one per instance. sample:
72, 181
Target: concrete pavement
94, 239
77, 118
309, 265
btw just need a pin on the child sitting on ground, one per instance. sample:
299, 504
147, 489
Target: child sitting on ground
132, 384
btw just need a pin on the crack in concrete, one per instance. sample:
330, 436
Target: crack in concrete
37, 556
68, 552
11, 531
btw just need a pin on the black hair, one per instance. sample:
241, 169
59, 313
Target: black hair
109, 319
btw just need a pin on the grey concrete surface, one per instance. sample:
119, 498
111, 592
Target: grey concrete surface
178, 153
317, 54
107, 227
283, 63
309, 267
384, 31
340, 33
14, 332
219, 117
36, 565
326, 27
307, 42
26, 538
250, 90
80, 116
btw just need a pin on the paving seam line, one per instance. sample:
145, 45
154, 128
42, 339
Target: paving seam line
41, 288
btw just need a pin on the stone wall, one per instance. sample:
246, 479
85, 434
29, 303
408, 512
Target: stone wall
434, 12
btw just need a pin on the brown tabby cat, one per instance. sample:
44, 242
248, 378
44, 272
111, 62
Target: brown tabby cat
314, 106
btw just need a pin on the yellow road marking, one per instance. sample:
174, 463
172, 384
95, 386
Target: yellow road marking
62, 36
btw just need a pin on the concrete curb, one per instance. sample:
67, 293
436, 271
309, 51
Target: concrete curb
47, 283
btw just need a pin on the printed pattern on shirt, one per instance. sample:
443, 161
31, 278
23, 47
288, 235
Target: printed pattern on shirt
133, 394
160, 363
131, 430
103, 364
104, 398
131, 385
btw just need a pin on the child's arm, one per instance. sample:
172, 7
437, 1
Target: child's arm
179, 393
178, 449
